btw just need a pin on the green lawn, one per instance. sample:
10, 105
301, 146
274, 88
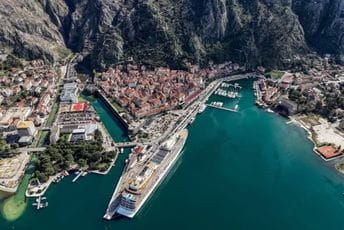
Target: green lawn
13, 207
42, 137
118, 108
276, 74
52, 115
84, 97
81, 98
3, 73
64, 137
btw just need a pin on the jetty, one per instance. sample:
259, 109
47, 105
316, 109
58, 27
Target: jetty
39, 203
77, 177
235, 110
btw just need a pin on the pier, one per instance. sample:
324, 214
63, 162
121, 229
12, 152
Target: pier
223, 108
39, 200
77, 177
39, 203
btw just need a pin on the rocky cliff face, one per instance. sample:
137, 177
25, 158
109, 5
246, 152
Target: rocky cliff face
28, 31
268, 32
323, 23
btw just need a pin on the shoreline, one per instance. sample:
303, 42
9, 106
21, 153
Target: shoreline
108, 140
47, 184
333, 162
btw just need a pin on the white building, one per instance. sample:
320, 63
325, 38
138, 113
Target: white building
26, 128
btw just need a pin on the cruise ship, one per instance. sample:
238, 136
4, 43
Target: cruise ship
137, 184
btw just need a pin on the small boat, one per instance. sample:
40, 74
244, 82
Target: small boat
202, 108
191, 120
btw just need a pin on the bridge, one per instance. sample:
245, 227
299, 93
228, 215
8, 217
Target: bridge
39, 149
32, 149
44, 128
126, 144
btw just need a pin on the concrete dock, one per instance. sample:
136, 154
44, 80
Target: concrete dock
222, 108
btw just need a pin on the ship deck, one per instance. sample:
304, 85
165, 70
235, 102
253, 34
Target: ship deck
161, 166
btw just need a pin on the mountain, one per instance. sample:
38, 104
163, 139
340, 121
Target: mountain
159, 32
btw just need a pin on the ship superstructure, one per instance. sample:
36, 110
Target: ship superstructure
138, 183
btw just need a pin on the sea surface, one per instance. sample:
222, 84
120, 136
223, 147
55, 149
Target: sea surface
245, 170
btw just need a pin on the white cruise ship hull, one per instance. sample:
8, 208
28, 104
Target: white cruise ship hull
131, 213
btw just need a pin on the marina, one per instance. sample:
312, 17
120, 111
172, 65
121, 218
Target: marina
216, 160
229, 94
60, 176
41, 203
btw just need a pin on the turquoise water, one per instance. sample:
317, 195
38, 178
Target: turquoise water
245, 170
113, 125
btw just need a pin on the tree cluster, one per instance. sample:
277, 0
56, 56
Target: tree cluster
63, 155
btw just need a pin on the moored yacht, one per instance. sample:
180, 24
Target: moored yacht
202, 108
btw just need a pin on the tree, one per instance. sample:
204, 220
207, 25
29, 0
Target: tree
111, 154
55, 154
82, 162
295, 95
41, 177
48, 169
98, 136
69, 159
